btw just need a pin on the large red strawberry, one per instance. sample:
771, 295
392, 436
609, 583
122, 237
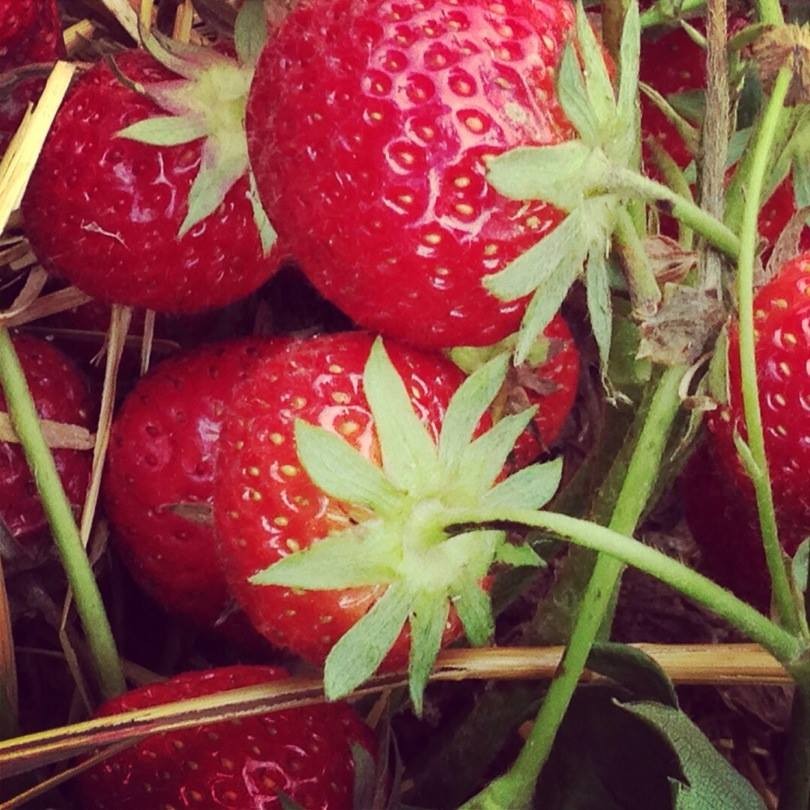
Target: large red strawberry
30, 33
781, 319
332, 502
61, 395
160, 473
369, 123
304, 754
145, 198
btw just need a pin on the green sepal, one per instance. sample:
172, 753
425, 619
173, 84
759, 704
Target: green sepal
250, 31
574, 97
468, 406
429, 613
474, 608
597, 79
519, 556
629, 61
361, 650
361, 555
267, 233
183, 58
600, 305
482, 461
339, 470
165, 130
409, 456
530, 488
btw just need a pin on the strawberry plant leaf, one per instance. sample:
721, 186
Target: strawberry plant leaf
428, 618
482, 461
361, 650
165, 130
600, 307
574, 97
629, 60
341, 471
597, 79
519, 556
408, 453
475, 611
710, 783
365, 771
799, 566
357, 556
633, 669
267, 233
250, 31
468, 406
530, 488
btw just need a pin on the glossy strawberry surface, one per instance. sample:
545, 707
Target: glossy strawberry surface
265, 504
160, 477
104, 212
61, 395
369, 123
238, 765
782, 323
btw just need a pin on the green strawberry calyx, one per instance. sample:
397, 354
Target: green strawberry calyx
410, 542
208, 101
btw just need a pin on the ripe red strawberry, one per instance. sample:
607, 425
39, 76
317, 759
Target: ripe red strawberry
127, 221
303, 753
266, 506
369, 122
61, 395
782, 314
160, 476
30, 33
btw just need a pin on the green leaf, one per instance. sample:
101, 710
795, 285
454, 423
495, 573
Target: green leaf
358, 556
632, 669
600, 307
541, 264
165, 130
799, 566
409, 455
801, 179
428, 619
475, 611
597, 79
468, 405
365, 773
339, 470
560, 175
519, 556
530, 488
482, 461
574, 97
267, 233
250, 31
629, 57
711, 783
221, 166
358, 654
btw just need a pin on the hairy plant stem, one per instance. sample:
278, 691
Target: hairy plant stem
516, 787
686, 211
89, 604
760, 476
655, 16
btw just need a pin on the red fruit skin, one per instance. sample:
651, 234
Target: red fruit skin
266, 506
162, 452
240, 764
552, 387
782, 323
60, 394
393, 220
104, 212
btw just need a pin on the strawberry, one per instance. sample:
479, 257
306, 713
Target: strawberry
61, 395
387, 207
303, 753
331, 502
159, 481
138, 207
30, 33
782, 310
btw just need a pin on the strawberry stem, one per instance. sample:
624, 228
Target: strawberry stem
760, 476
517, 786
89, 604
656, 15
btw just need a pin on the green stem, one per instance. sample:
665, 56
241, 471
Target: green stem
656, 16
760, 476
795, 783
79, 573
645, 294
769, 11
515, 788
686, 211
